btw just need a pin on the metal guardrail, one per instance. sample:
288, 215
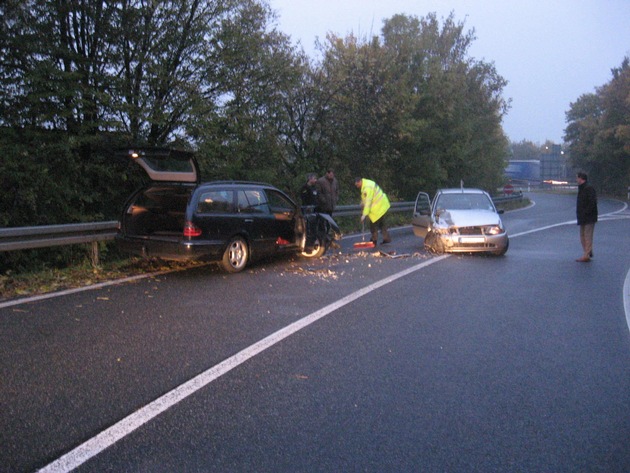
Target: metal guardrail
515, 197
352, 210
24, 238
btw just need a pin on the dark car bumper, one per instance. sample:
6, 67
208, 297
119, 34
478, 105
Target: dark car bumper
177, 250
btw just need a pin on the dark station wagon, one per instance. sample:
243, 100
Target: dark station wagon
176, 217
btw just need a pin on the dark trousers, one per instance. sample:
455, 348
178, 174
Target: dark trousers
381, 225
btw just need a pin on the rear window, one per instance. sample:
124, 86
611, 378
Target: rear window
169, 164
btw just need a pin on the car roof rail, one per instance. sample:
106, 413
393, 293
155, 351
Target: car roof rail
256, 183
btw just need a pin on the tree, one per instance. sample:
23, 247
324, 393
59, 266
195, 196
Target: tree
598, 132
167, 65
524, 149
90, 76
412, 107
81, 77
363, 113
452, 130
259, 71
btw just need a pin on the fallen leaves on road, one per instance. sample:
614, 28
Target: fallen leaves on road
12, 285
15, 285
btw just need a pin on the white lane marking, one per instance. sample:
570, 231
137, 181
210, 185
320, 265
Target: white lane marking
80, 289
626, 284
543, 228
608, 216
124, 427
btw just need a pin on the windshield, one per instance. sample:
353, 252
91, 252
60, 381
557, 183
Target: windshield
463, 201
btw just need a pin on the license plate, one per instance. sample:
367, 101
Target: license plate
472, 240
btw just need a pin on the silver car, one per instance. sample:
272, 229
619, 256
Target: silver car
460, 221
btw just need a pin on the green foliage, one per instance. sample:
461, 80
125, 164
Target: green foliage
412, 110
598, 133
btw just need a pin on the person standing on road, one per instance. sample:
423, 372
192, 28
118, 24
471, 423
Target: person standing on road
308, 193
375, 205
327, 192
586, 210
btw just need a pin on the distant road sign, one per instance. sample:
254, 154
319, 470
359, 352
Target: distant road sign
508, 189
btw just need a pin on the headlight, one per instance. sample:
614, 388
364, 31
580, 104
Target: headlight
494, 230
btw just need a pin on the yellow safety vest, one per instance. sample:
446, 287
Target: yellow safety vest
374, 201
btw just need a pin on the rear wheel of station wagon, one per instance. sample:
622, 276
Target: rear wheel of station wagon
235, 256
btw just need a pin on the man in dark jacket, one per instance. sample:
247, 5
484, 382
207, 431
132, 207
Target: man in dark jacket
586, 211
308, 192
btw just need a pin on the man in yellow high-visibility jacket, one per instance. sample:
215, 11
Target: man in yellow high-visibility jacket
375, 205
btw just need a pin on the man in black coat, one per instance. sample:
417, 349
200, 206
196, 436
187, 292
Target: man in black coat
586, 210
308, 192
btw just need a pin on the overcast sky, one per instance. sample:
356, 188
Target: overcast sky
550, 52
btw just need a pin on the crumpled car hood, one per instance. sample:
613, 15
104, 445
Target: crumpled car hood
467, 218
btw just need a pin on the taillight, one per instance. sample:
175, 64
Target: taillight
191, 230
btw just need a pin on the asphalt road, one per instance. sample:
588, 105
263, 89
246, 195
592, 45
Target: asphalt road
356, 362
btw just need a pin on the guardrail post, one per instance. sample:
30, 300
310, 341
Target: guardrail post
94, 256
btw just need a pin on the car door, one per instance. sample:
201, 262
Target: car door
257, 220
284, 213
215, 214
421, 220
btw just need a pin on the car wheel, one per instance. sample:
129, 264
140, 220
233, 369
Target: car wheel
316, 251
235, 256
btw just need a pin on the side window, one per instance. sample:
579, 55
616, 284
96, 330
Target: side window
278, 202
281, 207
252, 201
422, 206
216, 201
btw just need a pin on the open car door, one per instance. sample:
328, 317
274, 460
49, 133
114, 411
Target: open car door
421, 221
165, 164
